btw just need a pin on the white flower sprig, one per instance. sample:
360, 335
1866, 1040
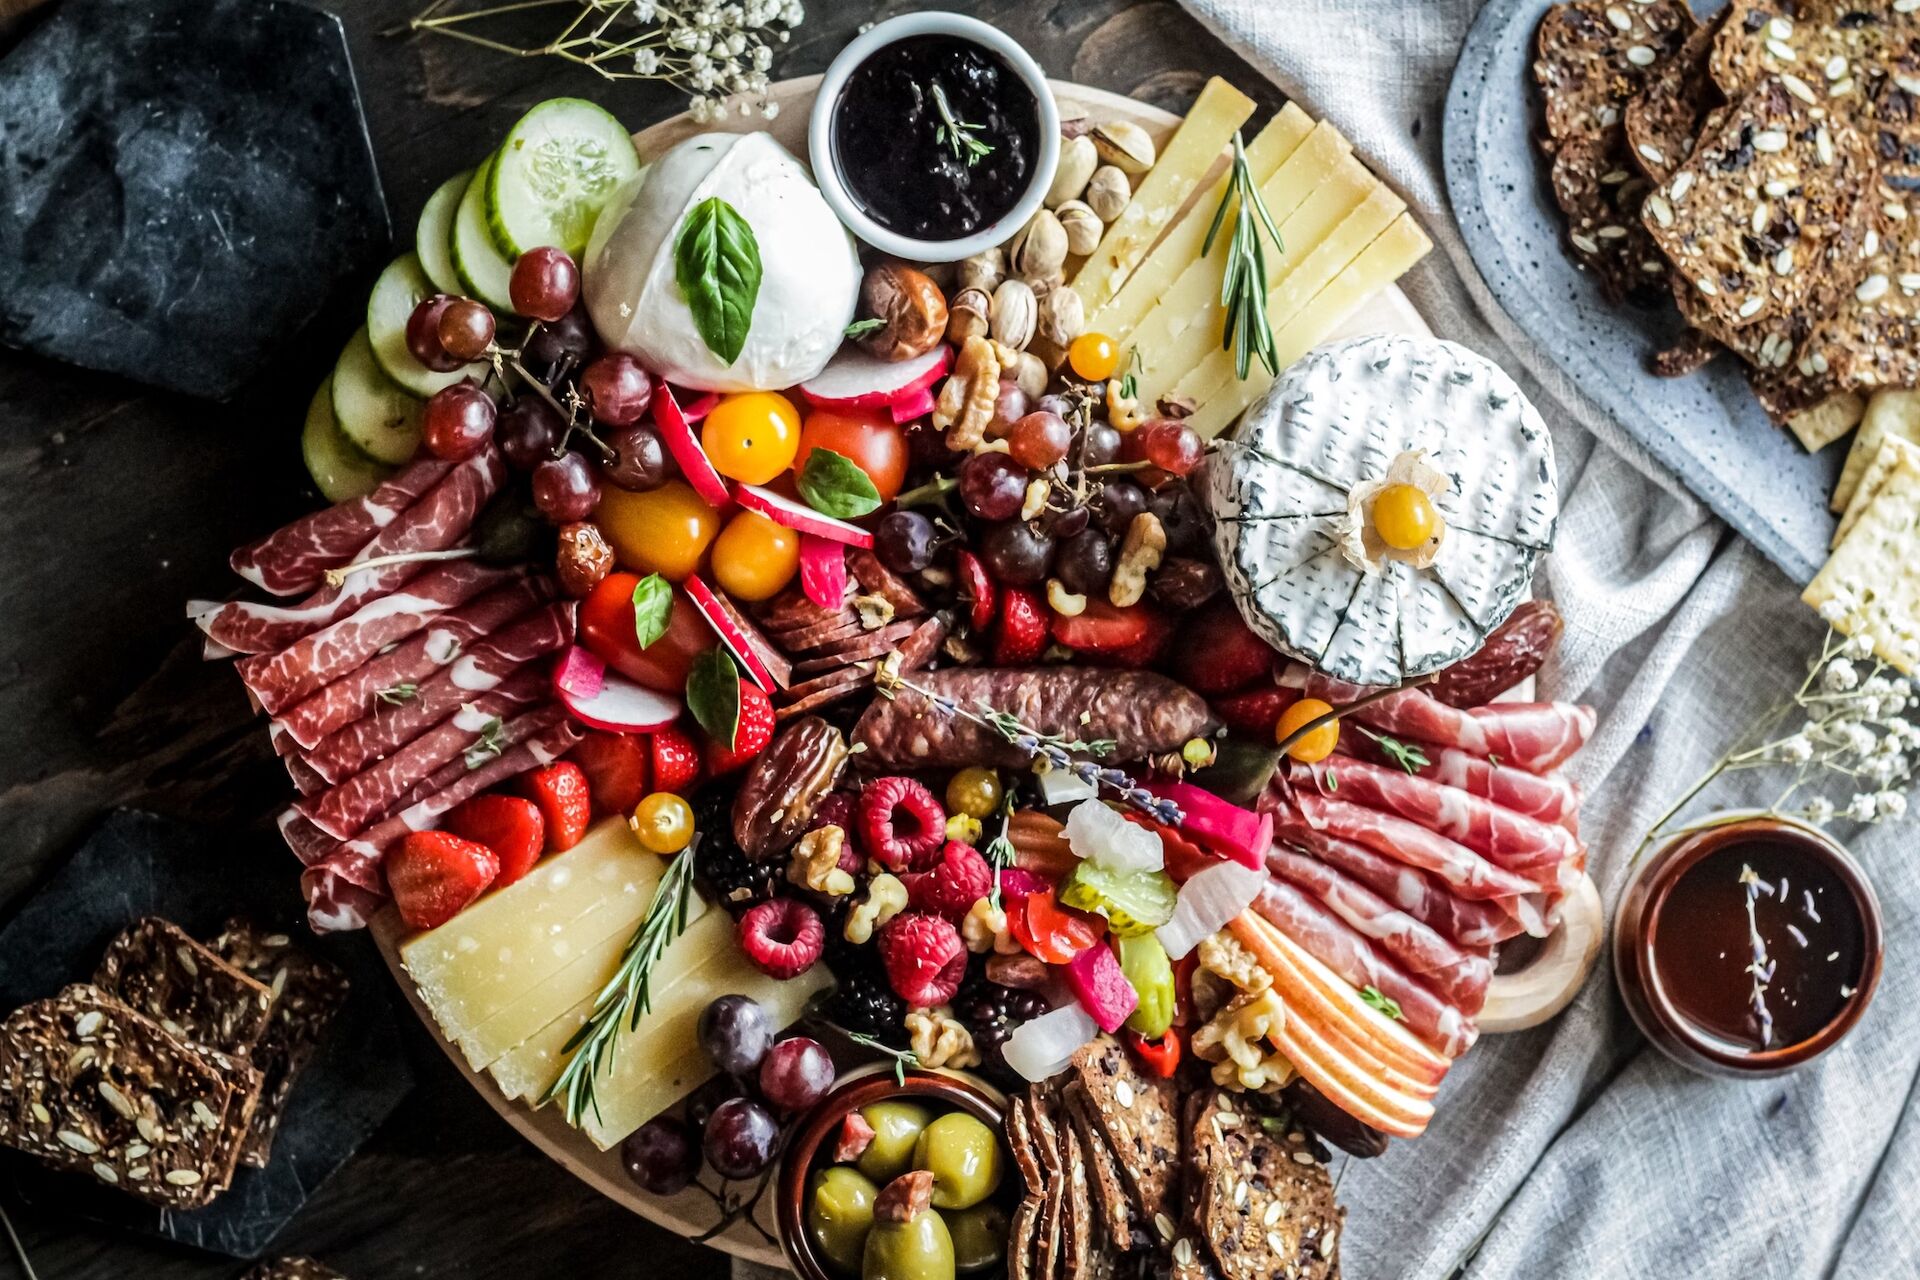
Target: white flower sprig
714, 52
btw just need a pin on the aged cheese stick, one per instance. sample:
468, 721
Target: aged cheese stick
1893, 452
1889, 413
1318, 186
1274, 145
1875, 566
1381, 263
1182, 163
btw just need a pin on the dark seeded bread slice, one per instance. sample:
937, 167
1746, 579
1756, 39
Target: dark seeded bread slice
1588, 66
154, 967
1077, 1226
1136, 1114
1049, 1240
1601, 196
1266, 1201
1665, 117
1109, 1190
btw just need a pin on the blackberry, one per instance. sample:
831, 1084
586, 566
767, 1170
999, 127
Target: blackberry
992, 1011
733, 879
864, 1004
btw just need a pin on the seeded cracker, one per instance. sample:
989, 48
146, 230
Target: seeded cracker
1690, 353
1877, 566
1047, 1263
154, 967
1135, 1114
1267, 1202
1591, 57
1602, 198
1109, 1191
1872, 339
1076, 1224
1894, 454
1666, 115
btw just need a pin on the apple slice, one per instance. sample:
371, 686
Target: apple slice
855, 380
1346, 1085
603, 699
823, 570
799, 516
677, 431
720, 618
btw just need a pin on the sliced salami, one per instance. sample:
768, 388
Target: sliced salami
878, 580
293, 559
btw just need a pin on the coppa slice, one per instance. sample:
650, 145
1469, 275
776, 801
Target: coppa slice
798, 515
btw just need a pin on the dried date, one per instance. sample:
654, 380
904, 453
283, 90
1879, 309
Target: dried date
778, 794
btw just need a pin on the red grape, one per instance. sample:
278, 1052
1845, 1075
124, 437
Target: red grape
529, 431
423, 334
1039, 440
560, 343
544, 284
993, 486
1015, 554
741, 1137
458, 421
735, 1033
564, 489
796, 1073
1009, 407
1085, 563
1120, 501
1167, 443
1181, 518
465, 329
661, 1156
639, 458
704, 1101
904, 541
617, 389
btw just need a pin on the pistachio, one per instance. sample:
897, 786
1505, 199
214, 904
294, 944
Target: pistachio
1040, 249
1030, 374
967, 315
1108, 192
1078, 160
984, 270
1014, 314
1125, 144
1063, 317
1083, 226
1074, 122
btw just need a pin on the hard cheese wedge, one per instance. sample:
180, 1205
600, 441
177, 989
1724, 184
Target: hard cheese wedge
1309, 198
1181, 164
1875, 566
1381, 263
1889, 413
1182, 244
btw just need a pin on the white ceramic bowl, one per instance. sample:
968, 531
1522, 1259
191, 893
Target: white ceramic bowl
826, 169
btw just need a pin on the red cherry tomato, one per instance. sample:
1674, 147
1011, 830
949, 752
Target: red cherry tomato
608, 631
869, 440
1050, 931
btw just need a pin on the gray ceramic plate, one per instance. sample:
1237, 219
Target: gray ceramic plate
1707, 428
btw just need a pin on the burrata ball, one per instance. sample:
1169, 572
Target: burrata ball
810, 270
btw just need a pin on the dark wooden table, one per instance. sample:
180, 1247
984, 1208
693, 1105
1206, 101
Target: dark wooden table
120, 504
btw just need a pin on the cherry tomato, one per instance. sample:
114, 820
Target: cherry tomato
1093, 356
1313, 747
664, 531
664, 823
1050, 931
751, 436
869, 440
753, 557
608, 631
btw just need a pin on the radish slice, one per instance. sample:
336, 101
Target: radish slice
1101, 988
677, 431
698, 408
1226, 829
1042, 1047
721, 621
823, 570
855, 380
916, 405
800, 516
615, 703
1207, 902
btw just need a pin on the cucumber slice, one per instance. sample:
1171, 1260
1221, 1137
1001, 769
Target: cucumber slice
373, 413
554, 173
433, 237
341, 471
400, 287
483, 273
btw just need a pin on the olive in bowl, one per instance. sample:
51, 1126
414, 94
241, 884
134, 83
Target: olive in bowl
898, 1180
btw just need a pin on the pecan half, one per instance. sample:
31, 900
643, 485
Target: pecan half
784, 783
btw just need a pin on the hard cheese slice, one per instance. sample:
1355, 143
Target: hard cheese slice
1893, 452
513, 940
1889, 413
1875, 569
1181, 246
1181, 164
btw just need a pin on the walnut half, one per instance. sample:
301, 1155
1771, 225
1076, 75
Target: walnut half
965, 406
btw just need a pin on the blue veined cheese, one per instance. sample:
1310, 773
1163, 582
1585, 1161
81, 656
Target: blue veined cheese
1487, 577
1263, 492
1433, 623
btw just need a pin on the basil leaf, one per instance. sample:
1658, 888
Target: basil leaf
716, 262
834, 486
713, 695
652, 608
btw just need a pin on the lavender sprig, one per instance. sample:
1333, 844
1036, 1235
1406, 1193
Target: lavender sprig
1760, 965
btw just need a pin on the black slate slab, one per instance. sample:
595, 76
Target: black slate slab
182, 184
138, 864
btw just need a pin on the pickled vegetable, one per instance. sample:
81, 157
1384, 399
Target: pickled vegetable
1144, 961
1134, 902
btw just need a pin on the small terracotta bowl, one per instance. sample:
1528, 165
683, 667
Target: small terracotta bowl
814, 1139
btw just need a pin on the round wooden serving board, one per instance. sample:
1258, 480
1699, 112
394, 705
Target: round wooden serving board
691, 1213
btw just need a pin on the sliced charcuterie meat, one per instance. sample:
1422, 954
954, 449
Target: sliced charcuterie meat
394, 675
1550, 797
1469, 874
439, 520
1504, 838
522, 728
293, 559
876, 579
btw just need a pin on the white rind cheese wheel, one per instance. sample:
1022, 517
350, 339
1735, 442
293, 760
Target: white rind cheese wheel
1285, 491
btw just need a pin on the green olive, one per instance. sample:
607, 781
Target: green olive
979, 1236
896, 1127
916, 1250
964, 1158
839, 1211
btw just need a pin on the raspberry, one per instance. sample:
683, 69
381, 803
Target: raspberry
783, 938
1018, 882
910, 843
924, 957
960, 879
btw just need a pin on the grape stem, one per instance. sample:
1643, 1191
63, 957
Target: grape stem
338, 577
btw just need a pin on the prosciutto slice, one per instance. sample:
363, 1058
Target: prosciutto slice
347, 751
1424, 897
357, 693
1550, 797
1330, 940
278, 680
439, 520
1466, 872
293, 559
1535, 736
1457, 974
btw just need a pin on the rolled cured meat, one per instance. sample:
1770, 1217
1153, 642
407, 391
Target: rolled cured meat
294, 558
1469, 874
1550, 797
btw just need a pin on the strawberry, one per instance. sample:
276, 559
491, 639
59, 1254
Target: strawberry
1022, 636
565, 802
1134, 636
676, 760
510, 826
750, 738
1220, 652
616, 765
1253, 713
434, 875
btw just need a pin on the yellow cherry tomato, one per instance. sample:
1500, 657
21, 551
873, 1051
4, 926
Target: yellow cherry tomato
664, 531
664, 822
1312, 747
751, 436
974, 791
753, 557
1404, 517
1093, 356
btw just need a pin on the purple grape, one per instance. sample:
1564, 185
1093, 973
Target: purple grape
1099, 446
1120, 501
741, 1138
796, 1073
564, 489
1015, 553
904, 541
736, 1035
528, 431
661, 1156
993, 486
704, 1101
568, 340
639, 458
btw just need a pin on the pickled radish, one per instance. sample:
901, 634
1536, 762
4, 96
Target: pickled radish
1101, 988
854, 379
677, 432
823, 570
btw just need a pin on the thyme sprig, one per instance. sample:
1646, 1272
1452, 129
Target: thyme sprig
627, 996
489, 744
1380, 1001
1000, 849
902, 1058
1410, 758
956, 134
1243, 289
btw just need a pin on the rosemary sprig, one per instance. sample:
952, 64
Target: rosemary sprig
956, 134
1243, 290
1130, 379
902, 1058
628, 995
